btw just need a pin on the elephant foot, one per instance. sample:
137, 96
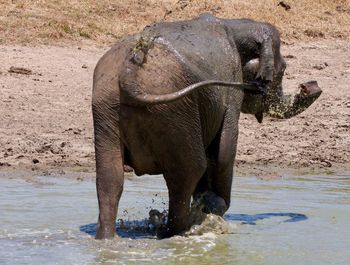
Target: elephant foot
164, 232
214, 204
156, 218
105, 232
168, 229
206, 203
158, 221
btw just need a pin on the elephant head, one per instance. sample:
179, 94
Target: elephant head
258, 44
274, 102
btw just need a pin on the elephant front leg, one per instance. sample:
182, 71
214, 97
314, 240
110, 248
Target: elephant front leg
223, 173
214, 192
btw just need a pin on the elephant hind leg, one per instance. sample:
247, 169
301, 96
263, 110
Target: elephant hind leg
183, 169
109, 185
109, 168
181, 186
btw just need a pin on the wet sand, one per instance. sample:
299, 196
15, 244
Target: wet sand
47, 124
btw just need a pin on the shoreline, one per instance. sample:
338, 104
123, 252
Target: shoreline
270, 172
47, 123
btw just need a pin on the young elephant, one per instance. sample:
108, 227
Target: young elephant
167, 101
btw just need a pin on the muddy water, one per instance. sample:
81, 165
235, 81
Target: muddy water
299, 220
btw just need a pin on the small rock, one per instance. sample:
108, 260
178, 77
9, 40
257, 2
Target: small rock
248, 152
342, 9
314, 34
43, 148
77, 131
320, 66
289, 56
20, 70
35, 161
74, 130
46, 173
84, 66
55, 149
326, 163
284, 5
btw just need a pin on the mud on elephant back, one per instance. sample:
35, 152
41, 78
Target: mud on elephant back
168, 100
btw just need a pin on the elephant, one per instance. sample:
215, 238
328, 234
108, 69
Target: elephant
167, 101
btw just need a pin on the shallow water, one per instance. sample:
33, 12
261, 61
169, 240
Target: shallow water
296, 220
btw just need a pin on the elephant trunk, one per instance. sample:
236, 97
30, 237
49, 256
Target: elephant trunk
287, 106
276, 103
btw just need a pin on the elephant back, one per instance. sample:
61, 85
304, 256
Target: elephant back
201, 47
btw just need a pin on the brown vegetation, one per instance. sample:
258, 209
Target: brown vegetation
103, 22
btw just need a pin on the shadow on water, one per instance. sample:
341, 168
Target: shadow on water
251, 219
140, 229
135, 229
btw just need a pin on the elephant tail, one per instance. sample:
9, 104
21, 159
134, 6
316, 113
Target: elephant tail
132, 94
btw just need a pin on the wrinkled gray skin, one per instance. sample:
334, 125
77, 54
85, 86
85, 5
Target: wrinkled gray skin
155, 111
259, 47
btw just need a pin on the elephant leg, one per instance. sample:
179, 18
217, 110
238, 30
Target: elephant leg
223, 171
214, 189
109, 185
109, 169
183, 167
181, 187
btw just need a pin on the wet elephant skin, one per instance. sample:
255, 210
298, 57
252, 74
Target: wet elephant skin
145, 120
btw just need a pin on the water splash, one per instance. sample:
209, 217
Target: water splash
212, 224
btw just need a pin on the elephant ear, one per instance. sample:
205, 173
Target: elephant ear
259, 116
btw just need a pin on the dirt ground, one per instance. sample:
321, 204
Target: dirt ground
104, 22
46, 122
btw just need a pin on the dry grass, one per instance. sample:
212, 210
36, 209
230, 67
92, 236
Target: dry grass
102, 22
